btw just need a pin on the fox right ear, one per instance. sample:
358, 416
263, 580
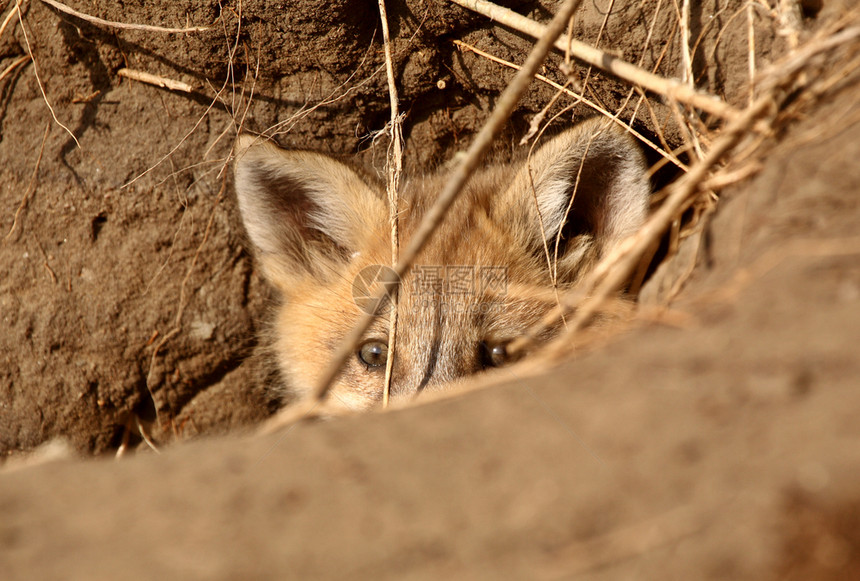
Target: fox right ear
587, 190
304, 212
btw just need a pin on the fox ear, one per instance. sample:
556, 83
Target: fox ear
590, 187
304, 212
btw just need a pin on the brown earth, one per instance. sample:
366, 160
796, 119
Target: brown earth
724, 446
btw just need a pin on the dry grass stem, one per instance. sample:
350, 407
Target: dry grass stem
120, 25
686, 125
38, 78
181, 141
395, 167
469, 163
580, 98
778, 80
12, 13
15, 64
724, 179
751, 50
647, 43
670, 88
141, 429
688, 132
151, 79
798, 59
686, 58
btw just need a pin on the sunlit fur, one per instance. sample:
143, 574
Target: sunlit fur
314, 223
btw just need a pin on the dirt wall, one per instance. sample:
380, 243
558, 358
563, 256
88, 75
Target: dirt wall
715, 439
127, 293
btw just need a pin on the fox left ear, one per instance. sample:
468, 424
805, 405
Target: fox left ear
304, 213
590, 187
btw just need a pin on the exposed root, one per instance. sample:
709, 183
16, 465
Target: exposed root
12, 14
31, 187
120, 25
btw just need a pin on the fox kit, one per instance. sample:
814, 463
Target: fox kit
485, 276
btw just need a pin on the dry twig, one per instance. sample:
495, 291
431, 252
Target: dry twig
151, 79
686, 58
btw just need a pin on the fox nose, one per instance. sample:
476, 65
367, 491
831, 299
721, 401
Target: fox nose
438, 363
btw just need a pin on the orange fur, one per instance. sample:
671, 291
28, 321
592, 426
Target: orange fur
314, 224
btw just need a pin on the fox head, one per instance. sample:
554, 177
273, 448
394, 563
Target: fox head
514, 236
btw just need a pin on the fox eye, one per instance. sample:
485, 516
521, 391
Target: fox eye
373, 353
495, 354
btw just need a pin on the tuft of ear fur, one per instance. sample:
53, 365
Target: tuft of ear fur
586, 188
305, 213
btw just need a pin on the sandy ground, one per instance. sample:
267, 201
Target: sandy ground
719, 442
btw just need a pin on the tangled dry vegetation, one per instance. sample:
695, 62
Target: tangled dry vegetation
706, 122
